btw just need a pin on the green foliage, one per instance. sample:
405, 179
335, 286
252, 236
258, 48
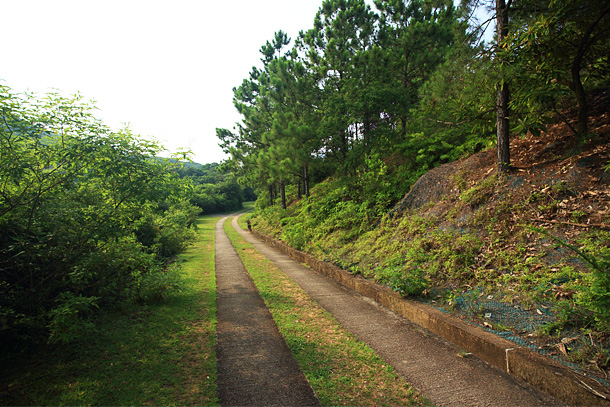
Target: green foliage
456, 115
338, 223
596, 295
340, 209
86, 214
215, 189
175, 229
556, 49
342, 98
157, 284
153, 353
592, 290
69, 319
399, 275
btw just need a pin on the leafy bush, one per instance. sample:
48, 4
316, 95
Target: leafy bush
70, 319
157, 284
398, 274
595, 296
86, 214
592, 289
337, 208
175, 229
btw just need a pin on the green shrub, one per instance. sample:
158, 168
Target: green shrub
70, 319
405, 273
406, 281
157, 284
84, 212
596, 295
175, 229
593, 294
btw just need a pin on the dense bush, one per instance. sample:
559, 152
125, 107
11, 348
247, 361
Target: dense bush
87, 217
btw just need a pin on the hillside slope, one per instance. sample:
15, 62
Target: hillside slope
502, 251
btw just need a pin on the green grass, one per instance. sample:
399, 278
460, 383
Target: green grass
161, 354
341, 369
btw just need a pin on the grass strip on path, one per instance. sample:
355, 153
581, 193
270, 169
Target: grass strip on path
157, 354
341, 369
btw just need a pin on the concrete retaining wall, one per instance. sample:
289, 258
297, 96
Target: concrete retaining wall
539, 371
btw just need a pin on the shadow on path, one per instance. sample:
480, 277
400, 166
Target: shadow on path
255, 366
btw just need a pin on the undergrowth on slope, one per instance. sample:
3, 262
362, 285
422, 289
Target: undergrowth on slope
525, 242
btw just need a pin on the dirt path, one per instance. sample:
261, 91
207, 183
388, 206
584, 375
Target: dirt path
255, 366
432, 365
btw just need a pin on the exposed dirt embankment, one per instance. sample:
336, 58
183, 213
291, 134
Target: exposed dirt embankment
556, 157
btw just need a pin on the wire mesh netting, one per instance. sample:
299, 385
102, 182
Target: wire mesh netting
515, 323
498, 313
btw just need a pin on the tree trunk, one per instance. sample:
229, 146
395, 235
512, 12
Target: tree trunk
271, 200
283, 193
502, 112
503, 128
581, 100
305, 182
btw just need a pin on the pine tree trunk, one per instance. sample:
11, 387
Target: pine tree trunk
503, 128
271, 200
305, 182
283, 193
502, 112
581, 100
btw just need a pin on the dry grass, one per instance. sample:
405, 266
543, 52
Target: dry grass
341, 369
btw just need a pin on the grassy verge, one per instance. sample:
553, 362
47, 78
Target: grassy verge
161, 354
341, 369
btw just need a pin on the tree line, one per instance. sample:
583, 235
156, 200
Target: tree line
214, 189
409, 85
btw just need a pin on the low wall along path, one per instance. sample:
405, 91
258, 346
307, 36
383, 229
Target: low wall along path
437, 368
434, 371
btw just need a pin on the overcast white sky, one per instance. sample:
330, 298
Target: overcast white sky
165, 67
